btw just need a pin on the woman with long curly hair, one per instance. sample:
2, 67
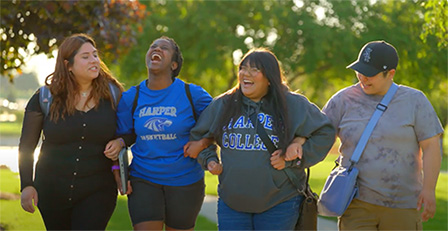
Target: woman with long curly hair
73, 187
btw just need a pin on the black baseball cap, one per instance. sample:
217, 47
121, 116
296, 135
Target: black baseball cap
375, 57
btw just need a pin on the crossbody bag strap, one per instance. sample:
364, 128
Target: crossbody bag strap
271, 148
262, 133
380, 108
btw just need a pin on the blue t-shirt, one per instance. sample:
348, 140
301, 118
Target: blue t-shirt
163, 120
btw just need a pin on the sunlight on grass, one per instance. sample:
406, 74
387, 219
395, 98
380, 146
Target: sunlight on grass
13, 217
10, 129
320, 172
211, 184
440, 220
9, 181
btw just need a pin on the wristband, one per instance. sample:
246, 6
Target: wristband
115, 167
122, 142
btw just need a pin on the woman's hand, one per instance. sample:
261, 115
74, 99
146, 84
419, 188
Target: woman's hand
277, 160
118, 181
193, 148
29, 194
214, 168
113, 148
294, 150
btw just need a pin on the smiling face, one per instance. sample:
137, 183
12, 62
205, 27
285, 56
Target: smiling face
86, 63
254, 85
376, 85
160, 56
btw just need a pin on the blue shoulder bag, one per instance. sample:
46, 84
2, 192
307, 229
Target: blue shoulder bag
340, 187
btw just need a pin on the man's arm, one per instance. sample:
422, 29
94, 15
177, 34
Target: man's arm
432, 159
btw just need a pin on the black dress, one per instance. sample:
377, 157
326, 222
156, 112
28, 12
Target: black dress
71, 164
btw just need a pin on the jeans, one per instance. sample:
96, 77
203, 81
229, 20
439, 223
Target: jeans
280, 217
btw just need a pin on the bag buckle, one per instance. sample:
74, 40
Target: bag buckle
352, 164
381, 107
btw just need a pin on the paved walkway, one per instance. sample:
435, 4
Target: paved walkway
209, 207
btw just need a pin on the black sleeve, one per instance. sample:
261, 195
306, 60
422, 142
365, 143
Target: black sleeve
31, 130
129, 139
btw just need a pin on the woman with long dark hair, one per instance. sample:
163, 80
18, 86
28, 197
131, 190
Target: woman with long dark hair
253, 192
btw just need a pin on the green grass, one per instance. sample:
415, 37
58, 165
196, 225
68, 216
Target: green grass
10, 129
211, 184
320, 172
444, 165
12, 215
14, 218
9, 181
440, 220
445, 150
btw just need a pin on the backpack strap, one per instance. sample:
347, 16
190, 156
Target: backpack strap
134, 105
187, 90
115, 91
45, 99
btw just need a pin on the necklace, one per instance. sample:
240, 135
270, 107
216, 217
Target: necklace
84, 94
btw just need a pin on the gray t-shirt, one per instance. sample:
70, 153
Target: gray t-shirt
390, 168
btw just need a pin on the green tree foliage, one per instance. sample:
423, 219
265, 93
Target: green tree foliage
46, 23
314, 40
436, 21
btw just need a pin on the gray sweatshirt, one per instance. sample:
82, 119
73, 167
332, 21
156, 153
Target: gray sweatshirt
248, 182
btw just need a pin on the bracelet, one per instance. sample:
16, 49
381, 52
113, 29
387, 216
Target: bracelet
122, 142
115, 167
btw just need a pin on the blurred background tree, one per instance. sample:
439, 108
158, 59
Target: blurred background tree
24, 86
436, 22
314, 39
33, 27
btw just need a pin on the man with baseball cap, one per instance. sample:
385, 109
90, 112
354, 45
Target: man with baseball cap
395, 180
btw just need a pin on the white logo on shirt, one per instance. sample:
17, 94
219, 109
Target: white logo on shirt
157, 111
158, 124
